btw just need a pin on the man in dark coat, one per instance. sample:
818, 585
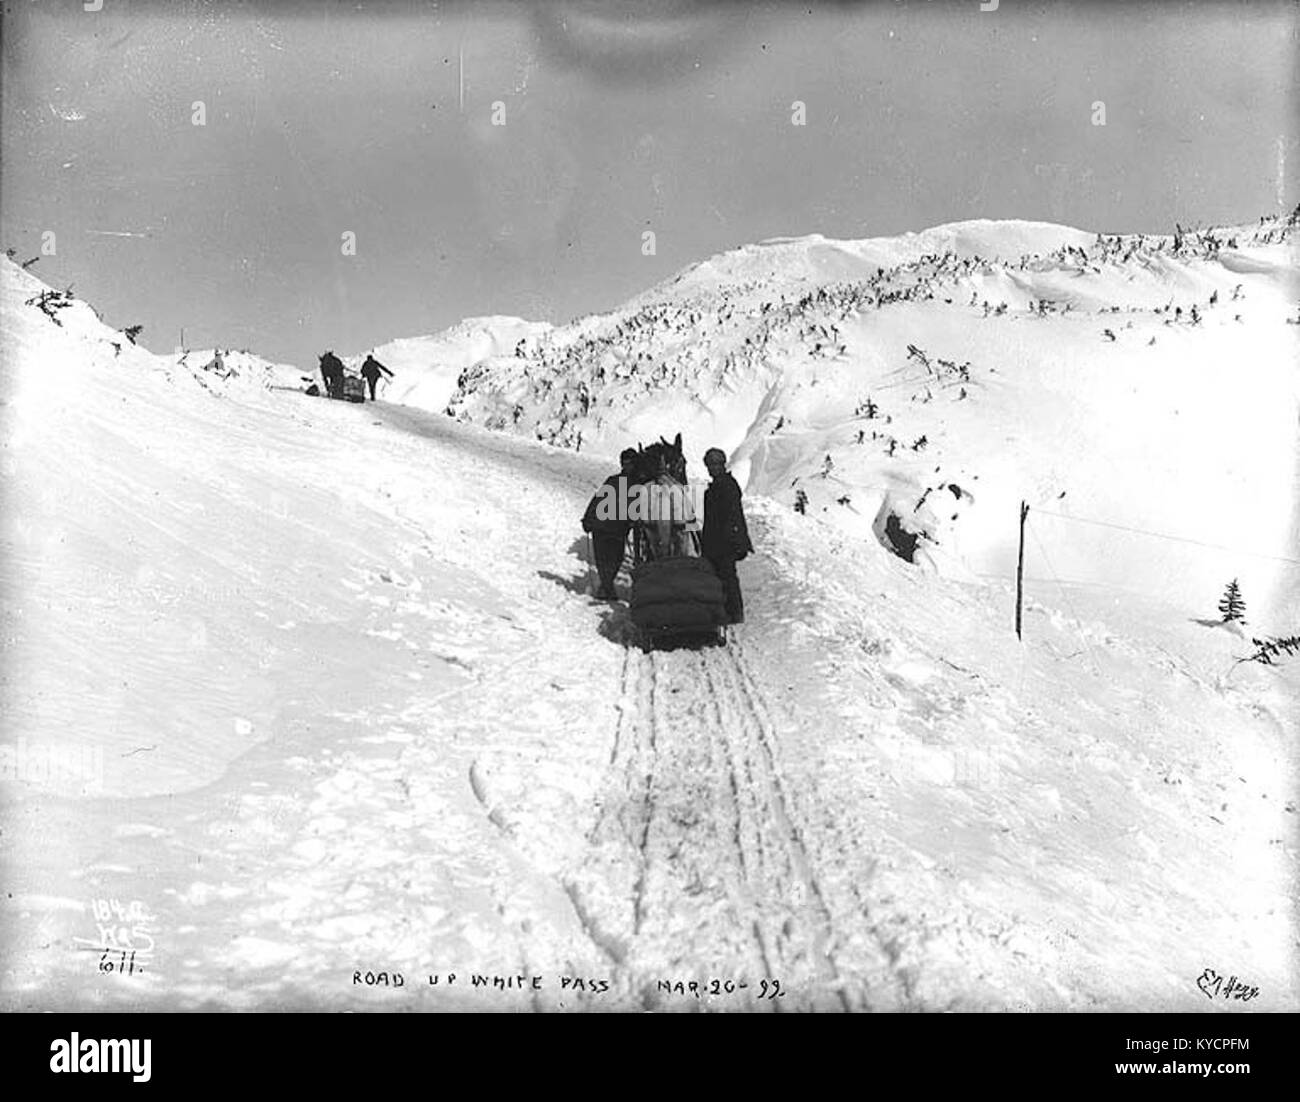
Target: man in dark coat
608, 524
370, 372
725, 539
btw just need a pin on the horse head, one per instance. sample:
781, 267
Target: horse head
673, 458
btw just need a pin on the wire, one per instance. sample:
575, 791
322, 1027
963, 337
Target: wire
1163, 536
1066, 597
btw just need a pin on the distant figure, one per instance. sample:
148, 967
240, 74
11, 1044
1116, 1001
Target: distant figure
609, 533
331, 370
370, 372
725, 540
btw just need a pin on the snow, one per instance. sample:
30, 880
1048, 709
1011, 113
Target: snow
425, 369
242, 369
772, 350
299, 691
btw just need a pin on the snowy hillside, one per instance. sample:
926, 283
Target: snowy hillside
229, 368
1114, 383
426, 369
301, 691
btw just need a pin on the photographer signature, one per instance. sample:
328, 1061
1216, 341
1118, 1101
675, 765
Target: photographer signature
1212, 984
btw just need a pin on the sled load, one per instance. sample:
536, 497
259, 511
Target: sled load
675, 592
339, 383
354, 388
677, 596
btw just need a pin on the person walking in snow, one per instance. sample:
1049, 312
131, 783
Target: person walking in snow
370, 372
725, 539
607, 528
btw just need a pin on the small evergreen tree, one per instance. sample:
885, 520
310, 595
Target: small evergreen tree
800, 502
1233, 605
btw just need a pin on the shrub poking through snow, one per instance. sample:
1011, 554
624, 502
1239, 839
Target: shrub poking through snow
1233, 605
50, 302
132, 331
1269, 649
917, 354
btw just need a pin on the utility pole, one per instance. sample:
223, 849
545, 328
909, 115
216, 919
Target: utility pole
1020, 566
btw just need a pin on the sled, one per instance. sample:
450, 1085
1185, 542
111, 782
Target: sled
678, 599
354, 388
676, 594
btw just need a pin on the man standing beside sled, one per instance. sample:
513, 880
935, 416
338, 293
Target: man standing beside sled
609, 532
725, 539
370, 372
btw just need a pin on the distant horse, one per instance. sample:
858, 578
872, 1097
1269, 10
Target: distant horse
331, 370
668, 525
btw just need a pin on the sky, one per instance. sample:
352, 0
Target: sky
292, 177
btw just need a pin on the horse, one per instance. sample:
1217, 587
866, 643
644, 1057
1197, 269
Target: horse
668, 526
331, 369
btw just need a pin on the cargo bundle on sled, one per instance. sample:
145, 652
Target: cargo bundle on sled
678, 596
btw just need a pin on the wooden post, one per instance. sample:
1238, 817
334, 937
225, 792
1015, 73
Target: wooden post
1020, 566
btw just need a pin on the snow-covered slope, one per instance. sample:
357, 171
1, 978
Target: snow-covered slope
235, 370
426, 369
818, 259
298, 691
1140, 393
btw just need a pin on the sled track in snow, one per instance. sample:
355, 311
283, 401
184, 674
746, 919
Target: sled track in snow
696, 866
797, 933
